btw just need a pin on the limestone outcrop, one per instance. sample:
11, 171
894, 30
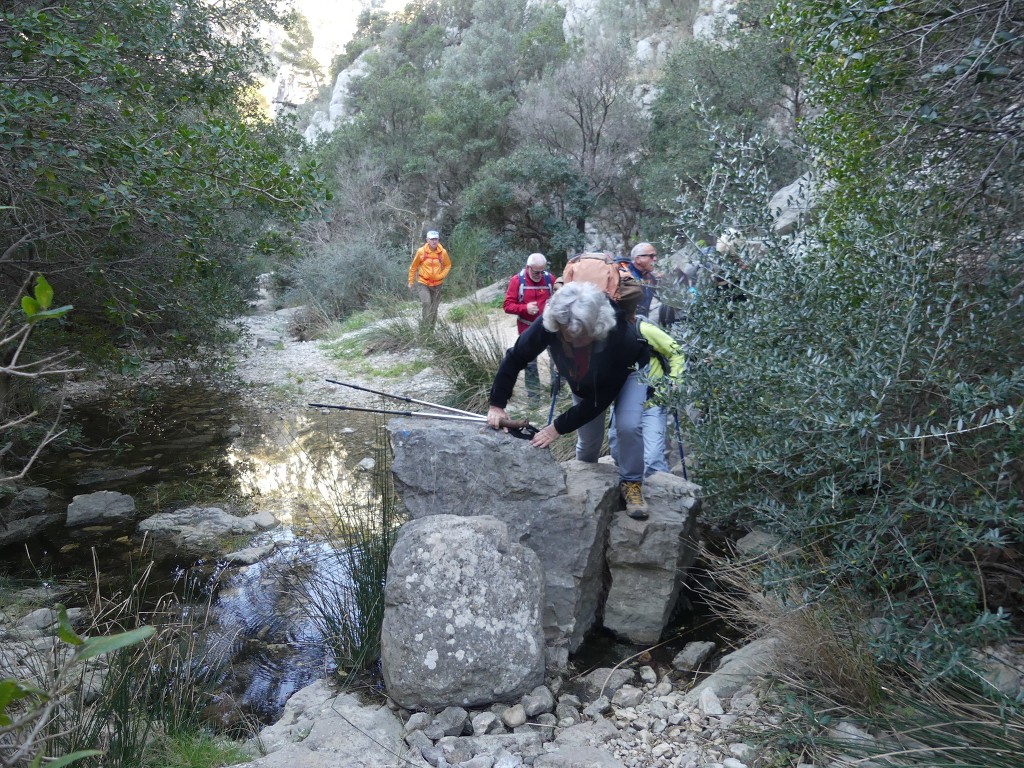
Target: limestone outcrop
569, 514
648, 560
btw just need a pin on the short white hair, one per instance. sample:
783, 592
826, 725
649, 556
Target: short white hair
582, 309
643, 249
536, 260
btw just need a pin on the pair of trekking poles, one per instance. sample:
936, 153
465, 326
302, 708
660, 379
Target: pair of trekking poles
520, 428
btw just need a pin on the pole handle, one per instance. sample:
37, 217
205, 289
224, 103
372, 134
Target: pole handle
520, 428
513, 423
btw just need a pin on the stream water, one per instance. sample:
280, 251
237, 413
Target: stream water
197, 446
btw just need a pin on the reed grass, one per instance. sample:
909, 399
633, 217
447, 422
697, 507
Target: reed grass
117, 703
468, 358
344, 596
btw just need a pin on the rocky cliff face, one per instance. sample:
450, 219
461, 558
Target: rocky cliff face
655, 26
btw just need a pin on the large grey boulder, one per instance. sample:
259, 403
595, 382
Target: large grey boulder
648, 559
101, 507
195, 531
560, 511
462, 614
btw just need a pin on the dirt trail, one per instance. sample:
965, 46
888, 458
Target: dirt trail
278, 371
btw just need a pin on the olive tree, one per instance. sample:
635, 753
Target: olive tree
864, 400
585, 111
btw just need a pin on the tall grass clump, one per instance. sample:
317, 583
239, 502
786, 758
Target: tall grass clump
468, 358
132, 700
344, 597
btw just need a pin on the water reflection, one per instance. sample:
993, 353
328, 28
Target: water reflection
301, 461
196, 446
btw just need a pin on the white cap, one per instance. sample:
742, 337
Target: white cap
433, 235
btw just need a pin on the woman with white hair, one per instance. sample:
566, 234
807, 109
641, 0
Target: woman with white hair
600, 355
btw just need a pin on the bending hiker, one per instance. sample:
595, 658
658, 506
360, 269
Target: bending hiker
528, 292
432, 264
600, 355
666, 359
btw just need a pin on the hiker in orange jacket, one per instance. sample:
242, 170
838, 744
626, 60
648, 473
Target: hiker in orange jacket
432, 264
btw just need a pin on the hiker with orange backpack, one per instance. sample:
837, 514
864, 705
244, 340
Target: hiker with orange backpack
601, 356
430, 266
528, 292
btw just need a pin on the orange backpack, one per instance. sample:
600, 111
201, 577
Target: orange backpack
601, 270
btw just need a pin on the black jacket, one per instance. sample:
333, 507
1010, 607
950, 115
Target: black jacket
611, 362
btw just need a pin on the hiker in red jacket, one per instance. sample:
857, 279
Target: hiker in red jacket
528, 292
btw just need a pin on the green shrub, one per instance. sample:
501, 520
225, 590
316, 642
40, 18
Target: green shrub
863, 402
344, 279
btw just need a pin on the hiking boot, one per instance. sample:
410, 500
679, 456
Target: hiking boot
633, 495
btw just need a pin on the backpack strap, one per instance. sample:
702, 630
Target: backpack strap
547, 279
662, 360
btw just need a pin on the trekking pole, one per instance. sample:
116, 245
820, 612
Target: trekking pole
404, 399
679, 439
556, 384
517, 427
474, 417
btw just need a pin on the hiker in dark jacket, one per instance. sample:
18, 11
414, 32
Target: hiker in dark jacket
600, 355
642, 260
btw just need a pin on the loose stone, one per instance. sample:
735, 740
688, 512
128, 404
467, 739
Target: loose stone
709, 703
514, 716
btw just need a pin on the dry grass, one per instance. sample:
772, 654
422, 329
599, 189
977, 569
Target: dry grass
827, 669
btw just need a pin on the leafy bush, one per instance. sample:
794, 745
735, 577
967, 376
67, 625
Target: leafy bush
138, 174
863, 401
344, 279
